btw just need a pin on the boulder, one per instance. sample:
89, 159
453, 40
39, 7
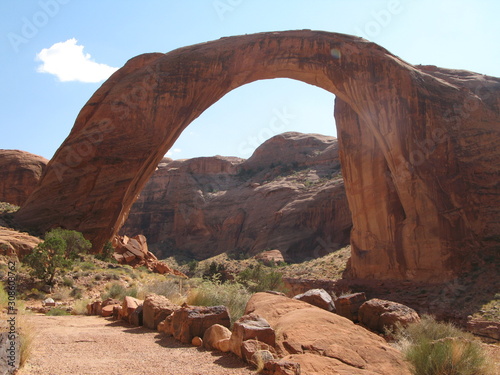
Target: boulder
94, 308
134, 252
250, 347
129, 305
136, 318
196, 341
110, 301
317, 297
49, 302
270, 257
108, 310
377, 315
248, 327
155, 309
214, 335
324, 343
282, 367
165, 326
348, 305
190, 321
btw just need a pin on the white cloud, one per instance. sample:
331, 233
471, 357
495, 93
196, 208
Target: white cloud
68, 62
173, 151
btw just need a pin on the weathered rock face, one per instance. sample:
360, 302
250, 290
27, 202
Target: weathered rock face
419, 145
206, 206
20, 172
323, 342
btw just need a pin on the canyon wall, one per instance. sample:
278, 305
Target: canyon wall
289, 196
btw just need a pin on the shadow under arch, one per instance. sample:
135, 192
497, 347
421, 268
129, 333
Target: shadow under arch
385, 108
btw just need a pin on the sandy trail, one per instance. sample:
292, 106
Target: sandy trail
93, 345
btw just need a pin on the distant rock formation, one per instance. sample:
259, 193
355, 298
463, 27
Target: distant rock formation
289, 196
20, 172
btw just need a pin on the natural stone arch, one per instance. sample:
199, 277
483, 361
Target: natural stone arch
412, 177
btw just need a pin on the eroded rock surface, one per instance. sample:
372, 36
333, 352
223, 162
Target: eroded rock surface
20, 172
419, 145
323, 342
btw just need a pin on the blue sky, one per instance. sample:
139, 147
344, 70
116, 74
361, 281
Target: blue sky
54, 55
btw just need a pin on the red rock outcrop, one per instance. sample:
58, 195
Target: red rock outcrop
323, 342
134, 252
419, 145
206, 206
20, 172
17, 243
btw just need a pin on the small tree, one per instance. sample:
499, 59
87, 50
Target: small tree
58, 251
76, 244
47, 258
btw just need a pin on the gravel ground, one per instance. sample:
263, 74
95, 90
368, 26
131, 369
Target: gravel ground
93, 345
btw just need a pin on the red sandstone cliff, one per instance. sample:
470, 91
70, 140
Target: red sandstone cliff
20, 172
288, 196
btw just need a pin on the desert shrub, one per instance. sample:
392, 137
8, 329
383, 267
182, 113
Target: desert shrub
4, 297
57, 312
27, 334
170, 288
86, 266
77, 293
215, 269
260, 279
118, 291
80, 307
213, 293
62, 294
435, 348
66, 281
192, 265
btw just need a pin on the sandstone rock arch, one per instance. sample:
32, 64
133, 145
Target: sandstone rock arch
418, 144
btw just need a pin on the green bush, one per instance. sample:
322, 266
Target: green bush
57, 312
68, 282
435, 348
106, 253
57, 252
260, 279
118, 291
213, 293
76, 244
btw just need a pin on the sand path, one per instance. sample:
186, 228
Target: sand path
93, 345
